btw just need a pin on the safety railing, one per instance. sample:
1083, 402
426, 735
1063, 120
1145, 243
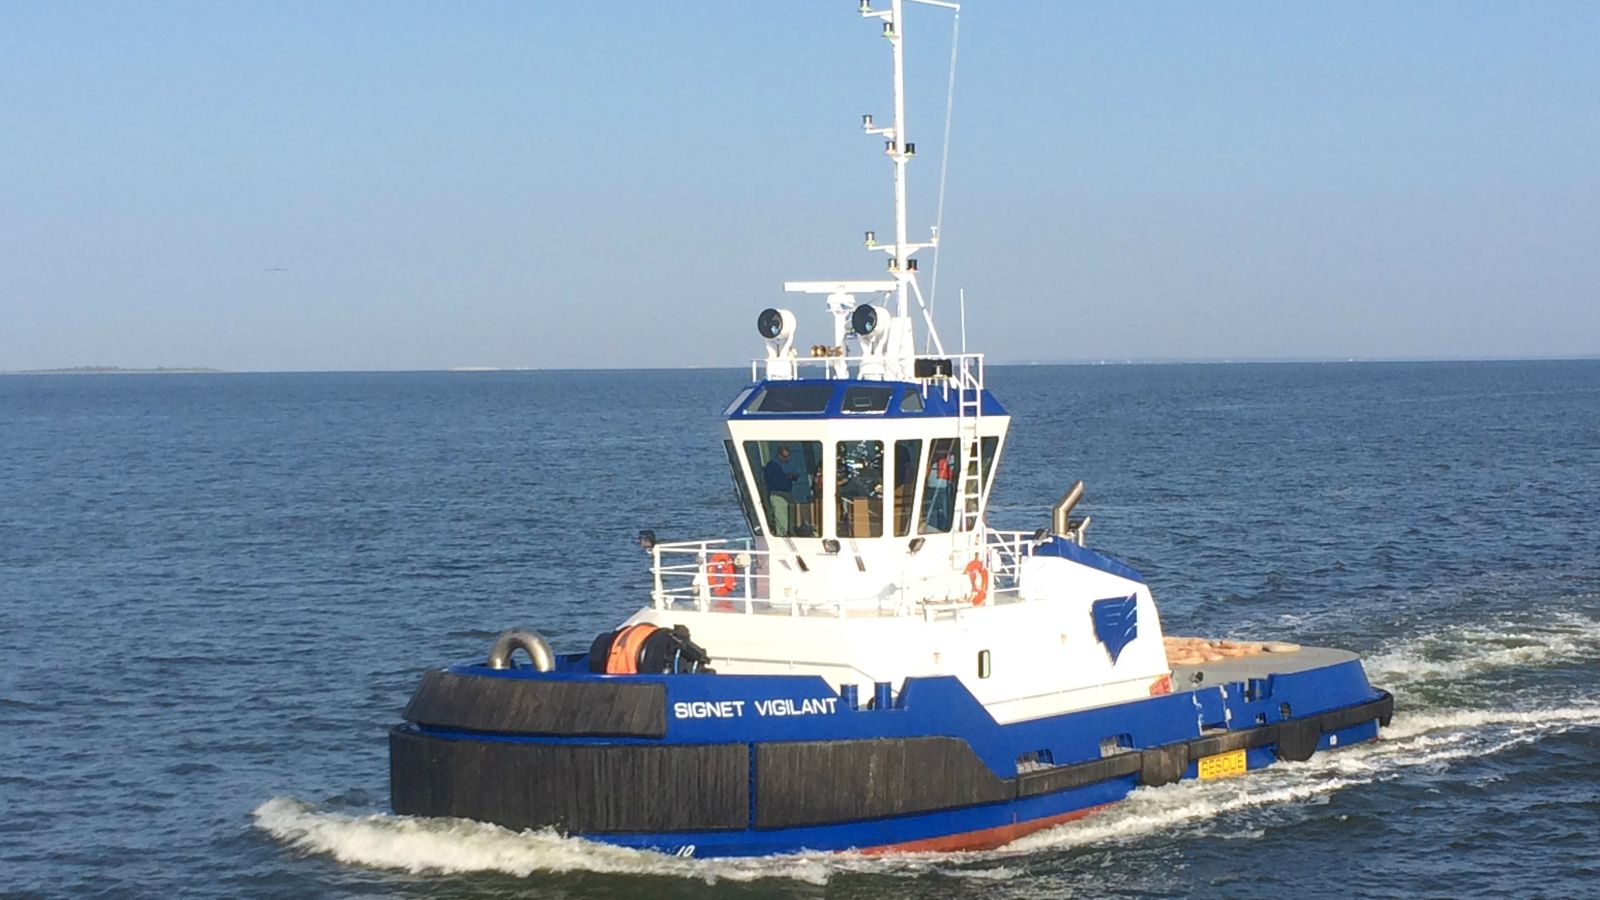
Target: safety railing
733, 576
946, 370
1001, 577
709, 576
1007, 550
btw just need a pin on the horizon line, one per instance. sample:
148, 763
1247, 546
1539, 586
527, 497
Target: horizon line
1128, 361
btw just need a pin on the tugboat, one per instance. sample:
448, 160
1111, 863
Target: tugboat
873, 668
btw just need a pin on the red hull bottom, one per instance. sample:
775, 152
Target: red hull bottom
986, 839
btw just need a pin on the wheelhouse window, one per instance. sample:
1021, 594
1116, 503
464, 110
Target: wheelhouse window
987, 448
788, 478
859, 471
859, 399
742, 488
738, 401
792, 398
911, 402
907, 465
939, 491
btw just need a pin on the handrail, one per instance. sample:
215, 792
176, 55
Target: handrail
961, 363
683, 579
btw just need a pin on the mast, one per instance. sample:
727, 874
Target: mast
902, 265
886, 351
896, 25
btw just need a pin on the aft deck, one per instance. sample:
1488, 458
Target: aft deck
1260, 665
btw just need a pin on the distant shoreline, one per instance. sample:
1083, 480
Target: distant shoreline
480, 370
116, 370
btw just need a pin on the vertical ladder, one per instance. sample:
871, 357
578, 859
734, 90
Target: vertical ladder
969, 414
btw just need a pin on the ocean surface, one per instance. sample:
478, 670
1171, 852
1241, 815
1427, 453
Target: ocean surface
217, 592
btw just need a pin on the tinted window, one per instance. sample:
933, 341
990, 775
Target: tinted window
866, 399
907, 463
987, 448
939, 490
742, 489
911, 402
736, 401
792, 398
990, 445
786, 474
860, 490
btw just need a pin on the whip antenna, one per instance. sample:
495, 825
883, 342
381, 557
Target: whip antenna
944, 160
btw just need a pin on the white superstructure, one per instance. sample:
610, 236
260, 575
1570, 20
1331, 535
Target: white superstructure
864, 471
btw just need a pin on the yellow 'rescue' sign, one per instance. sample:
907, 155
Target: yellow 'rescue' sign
1222, 765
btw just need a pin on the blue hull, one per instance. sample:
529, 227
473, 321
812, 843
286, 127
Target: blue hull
979, 828
718, 765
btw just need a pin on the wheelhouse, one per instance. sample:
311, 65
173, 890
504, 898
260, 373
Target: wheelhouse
853, 460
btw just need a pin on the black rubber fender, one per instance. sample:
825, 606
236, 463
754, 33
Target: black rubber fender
1163, 765
1297, 739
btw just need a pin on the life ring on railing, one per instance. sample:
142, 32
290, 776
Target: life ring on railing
719, 574
978, 574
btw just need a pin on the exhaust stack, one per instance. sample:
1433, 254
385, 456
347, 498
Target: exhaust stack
1061, 522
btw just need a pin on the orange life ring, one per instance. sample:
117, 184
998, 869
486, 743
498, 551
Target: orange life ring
978, 574
719, 574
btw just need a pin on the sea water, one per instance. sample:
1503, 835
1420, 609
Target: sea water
217, 592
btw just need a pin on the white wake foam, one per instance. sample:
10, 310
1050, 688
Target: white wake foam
1425, 743
1463, 651
438, 846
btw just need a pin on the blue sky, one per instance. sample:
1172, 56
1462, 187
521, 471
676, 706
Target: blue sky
413, 186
